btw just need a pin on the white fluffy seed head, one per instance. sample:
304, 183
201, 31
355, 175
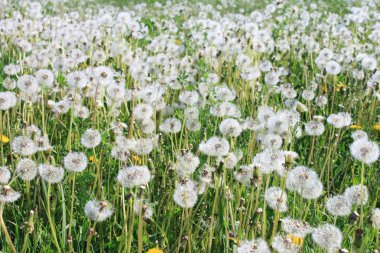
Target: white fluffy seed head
375, 218
171, 125
91, 138
276, 199
339, 120
365, 151
283, 244
254, 246
7, 100
5, 175
359, 134
75, 161
328, 237
22, 145
215, 146
296, 227
230, 127
187, 163
186, 194
8, 195
26, 169
50, 173
339, 205
314, 128
133, 176
98, 210
354, 194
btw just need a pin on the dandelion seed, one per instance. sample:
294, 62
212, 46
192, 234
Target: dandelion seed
28, 84
333, 68
339, 120
146, 209
230, 127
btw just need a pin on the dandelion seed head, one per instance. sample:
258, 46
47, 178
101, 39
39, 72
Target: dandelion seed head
215, 146
328, 237
339, 120
26, 169
75, 161
91, 138
276, 199
365, 151
338, 205
187, 163
354, 193
5, 175
7, 100
146, 209
295, 227
186, 194
98, 210
51, 173
230, 127
283, 244
133, 176
8, 195
314, 128
375, 218
24, 146
254, 246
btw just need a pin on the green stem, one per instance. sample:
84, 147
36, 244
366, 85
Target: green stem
4, 228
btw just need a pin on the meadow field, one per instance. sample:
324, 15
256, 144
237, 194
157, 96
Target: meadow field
207, 126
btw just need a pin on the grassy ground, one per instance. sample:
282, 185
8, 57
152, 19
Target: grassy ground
50, 217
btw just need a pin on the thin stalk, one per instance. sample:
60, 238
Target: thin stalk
4, 228
52, 226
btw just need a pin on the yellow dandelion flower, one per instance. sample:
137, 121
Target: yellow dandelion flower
356, 127
296, 240
155, 250
340, 86
4, 139
178, 42
136, 158
92, 159
324, 88
376, 127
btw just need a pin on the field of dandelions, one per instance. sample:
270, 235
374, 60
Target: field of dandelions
189, 127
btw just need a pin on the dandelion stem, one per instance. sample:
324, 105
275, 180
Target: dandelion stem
52, 226
4, 228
